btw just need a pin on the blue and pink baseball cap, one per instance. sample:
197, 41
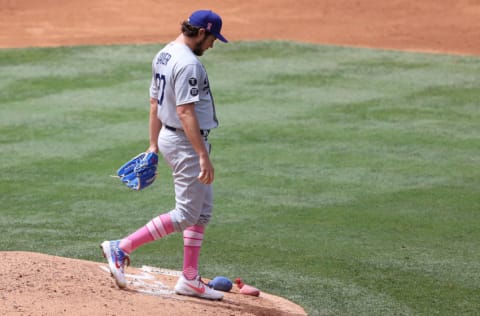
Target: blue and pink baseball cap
208, 20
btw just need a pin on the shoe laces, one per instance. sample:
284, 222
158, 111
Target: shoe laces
121, 257
200, 281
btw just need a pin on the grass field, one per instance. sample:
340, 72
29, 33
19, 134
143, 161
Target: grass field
347, 180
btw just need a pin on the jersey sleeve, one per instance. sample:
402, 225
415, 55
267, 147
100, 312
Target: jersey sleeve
187, 84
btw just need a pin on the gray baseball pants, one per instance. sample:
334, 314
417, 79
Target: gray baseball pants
193, 199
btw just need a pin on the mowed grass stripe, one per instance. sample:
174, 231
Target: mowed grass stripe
346, 179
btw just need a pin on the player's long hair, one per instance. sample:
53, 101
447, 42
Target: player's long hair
190, 30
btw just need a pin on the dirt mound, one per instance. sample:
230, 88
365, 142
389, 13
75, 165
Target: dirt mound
38, 284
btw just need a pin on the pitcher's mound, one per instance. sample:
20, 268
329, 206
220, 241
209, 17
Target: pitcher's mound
38, 284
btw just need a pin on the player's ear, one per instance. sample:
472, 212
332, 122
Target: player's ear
202, 32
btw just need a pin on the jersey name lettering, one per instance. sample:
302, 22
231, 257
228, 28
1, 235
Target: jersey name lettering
163, 58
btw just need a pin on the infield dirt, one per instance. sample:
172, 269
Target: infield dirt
429, 25
37, 284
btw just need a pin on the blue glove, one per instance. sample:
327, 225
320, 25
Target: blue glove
140, 171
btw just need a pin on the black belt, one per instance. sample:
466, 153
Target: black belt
203, 132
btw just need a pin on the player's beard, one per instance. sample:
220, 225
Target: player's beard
198, 50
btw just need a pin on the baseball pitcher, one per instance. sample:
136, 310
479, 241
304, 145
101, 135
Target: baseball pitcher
182, 114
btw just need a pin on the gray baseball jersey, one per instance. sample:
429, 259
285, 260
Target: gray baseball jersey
178, 78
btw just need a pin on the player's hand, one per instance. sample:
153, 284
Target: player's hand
152, 149
206, 175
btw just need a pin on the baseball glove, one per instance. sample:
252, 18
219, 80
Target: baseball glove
140, 171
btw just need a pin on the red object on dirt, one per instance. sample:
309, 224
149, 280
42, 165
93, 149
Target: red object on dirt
239, 282
246, 289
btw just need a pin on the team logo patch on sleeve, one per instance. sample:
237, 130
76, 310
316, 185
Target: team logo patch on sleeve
192, 81
194, 92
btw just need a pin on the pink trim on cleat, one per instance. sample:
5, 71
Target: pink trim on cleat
196, 288
116, 259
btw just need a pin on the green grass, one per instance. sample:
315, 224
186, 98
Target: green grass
347, 180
